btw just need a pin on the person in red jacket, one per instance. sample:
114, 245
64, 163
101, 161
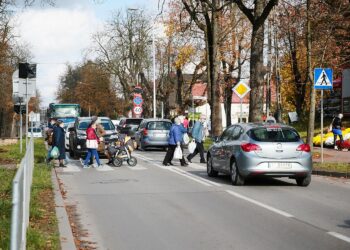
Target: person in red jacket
92, 142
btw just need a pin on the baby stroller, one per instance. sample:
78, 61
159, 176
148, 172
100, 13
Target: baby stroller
121, 151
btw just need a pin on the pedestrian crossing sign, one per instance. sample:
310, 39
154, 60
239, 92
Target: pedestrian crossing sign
323, 78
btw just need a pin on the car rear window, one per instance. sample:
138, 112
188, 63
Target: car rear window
159, 125
107, 125
274, 134
35, 130
83, 125
133, 121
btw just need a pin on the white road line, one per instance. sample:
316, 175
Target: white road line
104, 167
339, 236
71, 168
260, 204
174, 170
136, 168
201, 178
197, 166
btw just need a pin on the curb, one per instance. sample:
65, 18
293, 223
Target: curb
66, 235
330, 173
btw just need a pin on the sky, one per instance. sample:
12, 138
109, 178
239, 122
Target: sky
61, 34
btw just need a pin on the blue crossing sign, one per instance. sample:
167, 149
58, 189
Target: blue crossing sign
323, 78
138, 100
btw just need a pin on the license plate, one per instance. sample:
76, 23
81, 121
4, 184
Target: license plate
280, 165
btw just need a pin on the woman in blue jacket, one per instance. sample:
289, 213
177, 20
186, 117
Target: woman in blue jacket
175, 139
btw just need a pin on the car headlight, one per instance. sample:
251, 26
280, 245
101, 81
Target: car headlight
113, 136
81, 136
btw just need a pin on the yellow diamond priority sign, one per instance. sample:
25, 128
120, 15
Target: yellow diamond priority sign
241, 89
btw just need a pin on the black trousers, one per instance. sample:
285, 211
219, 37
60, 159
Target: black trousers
182, 161
199, 149
169, 154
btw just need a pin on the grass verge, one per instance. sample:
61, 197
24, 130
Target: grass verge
43, 226
332, 167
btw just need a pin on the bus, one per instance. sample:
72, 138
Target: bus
67, 112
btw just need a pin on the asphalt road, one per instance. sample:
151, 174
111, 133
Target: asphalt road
154, 207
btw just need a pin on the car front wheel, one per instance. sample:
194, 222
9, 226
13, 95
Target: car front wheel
210, 171
236, 178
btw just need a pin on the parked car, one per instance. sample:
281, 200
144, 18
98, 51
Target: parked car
66, 132
129, 126
153, 133
260, 149
37, 132
77, 134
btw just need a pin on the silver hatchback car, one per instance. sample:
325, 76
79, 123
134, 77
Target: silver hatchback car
153, 133
260, 149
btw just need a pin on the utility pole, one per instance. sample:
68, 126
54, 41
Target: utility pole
269, 64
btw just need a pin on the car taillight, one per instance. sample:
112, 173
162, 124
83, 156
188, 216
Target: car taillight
304, 147
145, 132
248, 147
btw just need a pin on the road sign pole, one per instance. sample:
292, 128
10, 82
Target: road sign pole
322, 126
27, 101
20, 129
241, 110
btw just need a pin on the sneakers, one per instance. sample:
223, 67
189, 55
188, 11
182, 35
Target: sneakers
86, 166
336, 147
203, 161
62, 165
97, 165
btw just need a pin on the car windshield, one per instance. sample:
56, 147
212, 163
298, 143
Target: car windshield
107, 125
35, 130
159, 125
83, 125
274, 134
133, 121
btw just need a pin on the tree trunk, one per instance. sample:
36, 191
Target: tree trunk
311, 125
216, 118
180, 80
257, 67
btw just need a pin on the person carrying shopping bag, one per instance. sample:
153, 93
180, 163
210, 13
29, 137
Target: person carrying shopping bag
198, 134
92, 142
175, 139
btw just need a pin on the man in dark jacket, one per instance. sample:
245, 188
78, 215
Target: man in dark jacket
58, 141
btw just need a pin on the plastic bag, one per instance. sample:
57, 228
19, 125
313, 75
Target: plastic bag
192, 146
178, 153
55, 153
186, 139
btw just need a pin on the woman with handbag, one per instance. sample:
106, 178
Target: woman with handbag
92, 142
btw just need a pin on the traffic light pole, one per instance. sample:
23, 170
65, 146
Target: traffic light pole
27, 101
20, 128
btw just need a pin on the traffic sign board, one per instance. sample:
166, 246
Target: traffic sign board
138, 100
241, 89
137, 110
323, 78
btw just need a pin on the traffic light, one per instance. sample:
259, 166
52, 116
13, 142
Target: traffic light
19, 108
27, 70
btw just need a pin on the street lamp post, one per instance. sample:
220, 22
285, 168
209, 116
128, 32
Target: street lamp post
154, 74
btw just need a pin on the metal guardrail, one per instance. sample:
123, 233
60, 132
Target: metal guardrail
21, 189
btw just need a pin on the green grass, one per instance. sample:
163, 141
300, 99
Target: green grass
43, 227
332, 167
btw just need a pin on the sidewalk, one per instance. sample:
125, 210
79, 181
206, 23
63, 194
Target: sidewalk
331, 156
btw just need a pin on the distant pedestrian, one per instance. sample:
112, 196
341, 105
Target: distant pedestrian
198, 134
185, 122
336, 129
175, 139
58, 141
49, 138
92, 142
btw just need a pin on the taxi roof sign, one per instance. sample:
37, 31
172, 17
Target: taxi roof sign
241, 89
